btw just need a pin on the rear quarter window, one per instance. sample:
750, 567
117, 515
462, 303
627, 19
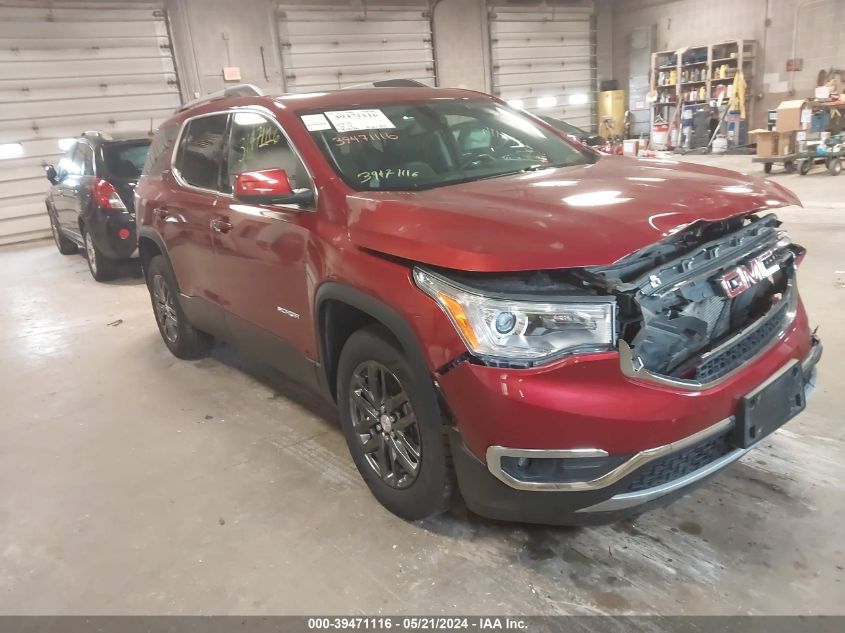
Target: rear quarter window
158, 157
199, 158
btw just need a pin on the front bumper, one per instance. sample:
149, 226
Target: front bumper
625, 482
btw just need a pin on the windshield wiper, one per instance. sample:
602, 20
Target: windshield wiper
461, 181
540, 166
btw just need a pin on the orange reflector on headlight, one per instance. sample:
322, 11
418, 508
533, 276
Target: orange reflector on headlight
459, 316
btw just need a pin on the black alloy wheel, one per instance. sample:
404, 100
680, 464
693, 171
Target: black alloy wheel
165, 311
395, 430
180, 336
385, 424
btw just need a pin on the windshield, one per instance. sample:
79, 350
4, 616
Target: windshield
125, 159
437, 143
564, 127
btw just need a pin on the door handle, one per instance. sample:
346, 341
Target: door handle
221, 226
161, 212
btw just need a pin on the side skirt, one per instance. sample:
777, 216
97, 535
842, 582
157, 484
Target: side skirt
255, 342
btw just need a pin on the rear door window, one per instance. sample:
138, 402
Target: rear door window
200, 158
66, 166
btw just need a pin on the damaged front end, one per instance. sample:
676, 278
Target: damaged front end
693, 308
687, 311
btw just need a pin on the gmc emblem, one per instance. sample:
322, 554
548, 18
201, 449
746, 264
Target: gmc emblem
736, 281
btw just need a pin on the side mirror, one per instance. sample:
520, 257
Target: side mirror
51, 174
269, 186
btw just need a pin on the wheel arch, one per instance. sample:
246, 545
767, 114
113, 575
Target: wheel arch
341, 310
150, 244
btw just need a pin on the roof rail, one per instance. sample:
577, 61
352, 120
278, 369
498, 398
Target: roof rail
102, 135
389, 83
241, 90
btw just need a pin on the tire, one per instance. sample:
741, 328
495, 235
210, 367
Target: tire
834, 166
789, 166
767, 167
182, 339
382, 449
804, 166
65, 246
102, 268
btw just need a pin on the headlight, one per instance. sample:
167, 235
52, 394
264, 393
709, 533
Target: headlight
522, 331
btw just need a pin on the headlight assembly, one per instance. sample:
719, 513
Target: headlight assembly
522, 332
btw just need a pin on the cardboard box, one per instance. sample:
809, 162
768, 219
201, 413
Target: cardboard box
786, 143
823, 93
767, 143
793, 115
771, 144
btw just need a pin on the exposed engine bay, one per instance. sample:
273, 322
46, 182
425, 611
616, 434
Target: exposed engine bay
685, 297
694, 306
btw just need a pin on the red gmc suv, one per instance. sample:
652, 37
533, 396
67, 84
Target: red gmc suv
566, 337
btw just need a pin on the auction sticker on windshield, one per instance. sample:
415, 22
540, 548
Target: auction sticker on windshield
315, 122
351, 120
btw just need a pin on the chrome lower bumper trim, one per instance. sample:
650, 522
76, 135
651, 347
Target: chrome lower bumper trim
631, 499
495, 454
813, 357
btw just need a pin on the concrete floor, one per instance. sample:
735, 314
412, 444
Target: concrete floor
135, 483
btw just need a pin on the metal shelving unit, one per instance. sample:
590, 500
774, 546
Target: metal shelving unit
693, 77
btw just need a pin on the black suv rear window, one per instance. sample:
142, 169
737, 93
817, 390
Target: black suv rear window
126, 159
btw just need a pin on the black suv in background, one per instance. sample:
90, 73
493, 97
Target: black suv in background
583, 136
90, 202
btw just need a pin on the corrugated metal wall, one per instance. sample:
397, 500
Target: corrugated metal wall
66, 67
544, 59
330, 45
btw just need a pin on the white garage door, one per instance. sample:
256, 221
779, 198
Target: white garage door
543, 59
330, 45
67, 67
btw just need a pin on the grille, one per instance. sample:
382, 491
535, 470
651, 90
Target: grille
745, 348
681, 463
714, 311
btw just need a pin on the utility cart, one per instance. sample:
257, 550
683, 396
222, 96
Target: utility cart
831, 152
789, 162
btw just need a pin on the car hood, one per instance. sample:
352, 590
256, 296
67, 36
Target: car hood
584, 215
